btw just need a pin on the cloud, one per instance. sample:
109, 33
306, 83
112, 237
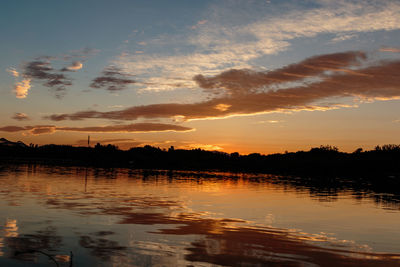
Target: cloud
200, 22
343, 37
21, 88
230, 44
42, 70
244, 81
76, 65
13, 72
20, 116
390, 49
130, 128
42, 130
81, 53
12, 129
116, 106
113, 79
378, 81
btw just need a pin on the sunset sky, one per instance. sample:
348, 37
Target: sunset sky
246, 76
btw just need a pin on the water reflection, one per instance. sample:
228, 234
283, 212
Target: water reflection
143, 218
102, 248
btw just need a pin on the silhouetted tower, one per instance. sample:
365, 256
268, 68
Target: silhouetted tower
88, 140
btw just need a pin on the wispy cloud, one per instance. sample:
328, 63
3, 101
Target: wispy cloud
41, 70
113, 79
83, 53
200, 22
390, 49
343, 37
13, 72
341, 75
226, 46
20, 116
129, 128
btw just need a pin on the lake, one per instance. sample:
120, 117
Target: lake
50, 216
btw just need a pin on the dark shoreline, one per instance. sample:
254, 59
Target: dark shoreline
325, 162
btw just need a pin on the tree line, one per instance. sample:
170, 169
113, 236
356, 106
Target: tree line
324, 160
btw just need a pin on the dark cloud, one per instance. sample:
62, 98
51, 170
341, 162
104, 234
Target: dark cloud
20, 116
42, 70
12, 129
247, 81
113, 79
379, 81
130, 128
135, 127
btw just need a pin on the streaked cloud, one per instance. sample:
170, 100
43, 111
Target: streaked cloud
390, 49
244, 81
13, 72
129, 128
341, 76
20, 116
116, 106
113, 79
21, 88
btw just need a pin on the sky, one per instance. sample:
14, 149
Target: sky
234, 76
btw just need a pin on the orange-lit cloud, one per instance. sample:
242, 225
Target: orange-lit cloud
38, 130
21, 88
20, 116
76, 65
13, 72
339, 75
130, 128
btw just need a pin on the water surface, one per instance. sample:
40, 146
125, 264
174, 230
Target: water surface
121, 217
